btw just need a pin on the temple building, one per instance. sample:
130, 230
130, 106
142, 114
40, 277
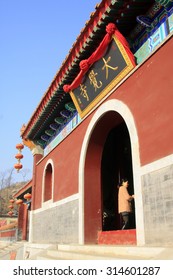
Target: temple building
106, 115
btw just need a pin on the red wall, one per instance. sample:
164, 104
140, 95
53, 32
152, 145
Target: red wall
66, 164
8, 233
148, 94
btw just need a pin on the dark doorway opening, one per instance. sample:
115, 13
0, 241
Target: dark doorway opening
116, 164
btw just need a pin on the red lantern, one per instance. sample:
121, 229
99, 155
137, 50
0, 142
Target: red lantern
18, 166
11, 200
27, 196
10, 213
19, 202
10, 206
19, 156
19, 147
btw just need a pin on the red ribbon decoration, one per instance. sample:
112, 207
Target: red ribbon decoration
111, 29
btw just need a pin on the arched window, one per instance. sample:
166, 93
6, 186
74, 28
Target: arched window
48, 183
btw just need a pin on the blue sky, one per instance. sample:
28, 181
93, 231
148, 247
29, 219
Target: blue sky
35, 37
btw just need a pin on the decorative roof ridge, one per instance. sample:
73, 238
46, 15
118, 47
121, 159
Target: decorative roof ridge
86, 42
95, 17
27, 186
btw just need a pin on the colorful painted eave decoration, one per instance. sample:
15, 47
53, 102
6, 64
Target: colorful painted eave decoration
118, 11
102, 71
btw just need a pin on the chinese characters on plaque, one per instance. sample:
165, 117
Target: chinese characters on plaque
102, 77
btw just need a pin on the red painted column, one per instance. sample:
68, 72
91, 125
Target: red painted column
25, 222
37, 156
20, 221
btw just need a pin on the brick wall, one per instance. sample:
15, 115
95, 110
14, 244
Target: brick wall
58, 224
158, 206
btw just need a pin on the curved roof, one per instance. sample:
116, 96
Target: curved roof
54, 100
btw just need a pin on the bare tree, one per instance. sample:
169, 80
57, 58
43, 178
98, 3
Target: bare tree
6, 178
8, 187
24, 172
9, 178
2, 179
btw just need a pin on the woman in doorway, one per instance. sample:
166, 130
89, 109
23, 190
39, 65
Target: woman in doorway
124, 203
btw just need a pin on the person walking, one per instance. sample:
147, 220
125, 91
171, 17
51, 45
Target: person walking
124, 203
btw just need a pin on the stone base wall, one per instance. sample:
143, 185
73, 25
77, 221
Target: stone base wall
58, 224
157, 188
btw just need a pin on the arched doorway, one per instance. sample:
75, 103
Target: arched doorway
116, 164
107, 117
48, 183
108, 157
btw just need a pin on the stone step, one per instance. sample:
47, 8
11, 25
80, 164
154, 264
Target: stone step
103, 252
96, 252
75, 255
113, 251
9, 249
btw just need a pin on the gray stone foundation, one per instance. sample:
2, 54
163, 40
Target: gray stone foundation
157, 188
56, 225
